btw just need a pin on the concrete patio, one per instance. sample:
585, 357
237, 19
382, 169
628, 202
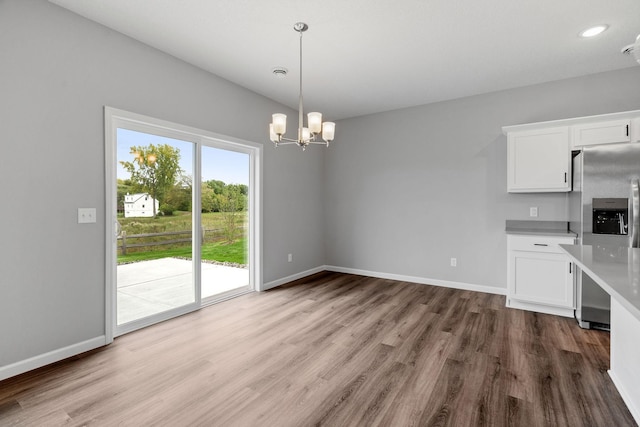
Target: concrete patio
150, 287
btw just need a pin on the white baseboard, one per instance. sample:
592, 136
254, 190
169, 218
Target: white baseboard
41, 360
635, 411
421, 280
540, 308
293, 277
390, 276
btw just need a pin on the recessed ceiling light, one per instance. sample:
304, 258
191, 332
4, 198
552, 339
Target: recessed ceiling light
593, 31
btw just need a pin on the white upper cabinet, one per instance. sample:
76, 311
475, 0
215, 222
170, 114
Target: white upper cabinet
539, 154
601, 133
538, 160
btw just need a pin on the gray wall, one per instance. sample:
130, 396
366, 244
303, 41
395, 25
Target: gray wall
58, 71
407, 190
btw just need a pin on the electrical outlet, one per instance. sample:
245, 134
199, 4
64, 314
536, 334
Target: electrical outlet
290, 258
86, 215
533, 212
454, 262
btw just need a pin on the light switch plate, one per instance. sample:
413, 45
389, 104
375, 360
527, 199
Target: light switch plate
533, 211
86, 215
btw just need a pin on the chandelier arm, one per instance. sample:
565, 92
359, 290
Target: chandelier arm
284, 140
288, 139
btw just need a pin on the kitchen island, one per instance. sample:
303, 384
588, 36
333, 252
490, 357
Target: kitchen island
617, 271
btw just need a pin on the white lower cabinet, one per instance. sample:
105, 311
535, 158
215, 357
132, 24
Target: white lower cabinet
540, 275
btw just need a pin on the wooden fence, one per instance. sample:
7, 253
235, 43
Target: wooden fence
213, 235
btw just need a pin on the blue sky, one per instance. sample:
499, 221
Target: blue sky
223, 165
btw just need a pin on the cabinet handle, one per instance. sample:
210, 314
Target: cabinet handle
540, 244
570, 268
565, 177
627, 130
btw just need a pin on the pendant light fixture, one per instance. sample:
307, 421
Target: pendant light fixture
315, 127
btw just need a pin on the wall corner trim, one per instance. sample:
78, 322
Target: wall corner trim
282, 281
57, 355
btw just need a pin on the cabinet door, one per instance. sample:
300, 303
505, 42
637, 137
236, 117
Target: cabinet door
544, 278
635, 130
538, 161
601, 133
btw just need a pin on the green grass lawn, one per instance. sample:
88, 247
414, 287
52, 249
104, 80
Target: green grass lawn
220, 252
181, 221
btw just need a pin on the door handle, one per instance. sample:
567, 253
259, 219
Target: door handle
635, 213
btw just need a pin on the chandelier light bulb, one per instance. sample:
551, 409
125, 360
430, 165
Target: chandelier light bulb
314, 120
328, 131
304, 134
279, 123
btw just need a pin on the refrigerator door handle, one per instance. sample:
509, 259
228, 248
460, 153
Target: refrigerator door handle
635, 211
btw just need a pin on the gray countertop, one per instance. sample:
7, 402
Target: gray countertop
615, 269
539, 228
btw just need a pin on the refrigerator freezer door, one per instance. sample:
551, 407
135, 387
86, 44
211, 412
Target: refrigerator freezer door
575, 196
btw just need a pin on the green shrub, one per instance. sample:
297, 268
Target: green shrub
167, 209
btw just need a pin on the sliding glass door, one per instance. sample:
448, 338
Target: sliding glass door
183, 228
155, 268
224, 195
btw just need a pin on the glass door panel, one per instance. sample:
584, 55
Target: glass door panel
155, 274
224, 201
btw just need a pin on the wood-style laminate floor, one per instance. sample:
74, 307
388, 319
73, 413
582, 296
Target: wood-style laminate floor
336, 350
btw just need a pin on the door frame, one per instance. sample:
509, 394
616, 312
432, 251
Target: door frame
115, 118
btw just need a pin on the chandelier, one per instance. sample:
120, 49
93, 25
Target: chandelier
315, 127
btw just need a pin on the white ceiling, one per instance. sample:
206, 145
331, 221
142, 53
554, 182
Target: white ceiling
366, 56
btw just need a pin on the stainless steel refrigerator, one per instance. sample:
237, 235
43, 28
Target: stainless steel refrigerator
604, 211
